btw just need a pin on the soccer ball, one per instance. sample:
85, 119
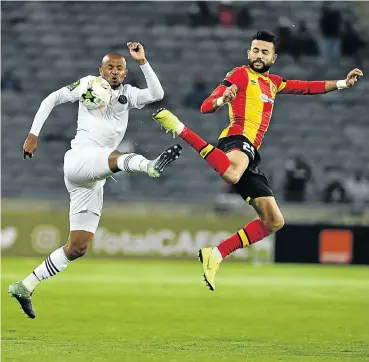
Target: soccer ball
96, 94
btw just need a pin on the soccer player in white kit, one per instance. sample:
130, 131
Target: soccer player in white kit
92, 158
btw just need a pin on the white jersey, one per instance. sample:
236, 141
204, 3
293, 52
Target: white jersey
105, 127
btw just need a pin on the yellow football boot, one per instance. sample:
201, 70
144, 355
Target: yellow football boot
210, 265
168, 121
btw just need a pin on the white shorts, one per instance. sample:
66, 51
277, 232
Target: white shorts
85, 171
84, 220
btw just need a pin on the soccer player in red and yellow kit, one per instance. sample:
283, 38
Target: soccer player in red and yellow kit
250, 92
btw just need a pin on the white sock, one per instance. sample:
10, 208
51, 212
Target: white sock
132, 162
180, 127
216, 254
52, 265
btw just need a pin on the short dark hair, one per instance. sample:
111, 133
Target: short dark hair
265, 36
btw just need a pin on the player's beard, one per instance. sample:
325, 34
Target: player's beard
263, 69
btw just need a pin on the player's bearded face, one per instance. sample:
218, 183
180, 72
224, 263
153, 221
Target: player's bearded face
114, 71
261, 56
260, 65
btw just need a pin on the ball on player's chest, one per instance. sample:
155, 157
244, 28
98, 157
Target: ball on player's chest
96, 94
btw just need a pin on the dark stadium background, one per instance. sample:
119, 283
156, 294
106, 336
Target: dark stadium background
315, 154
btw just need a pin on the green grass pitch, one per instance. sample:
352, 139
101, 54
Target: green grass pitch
137, 311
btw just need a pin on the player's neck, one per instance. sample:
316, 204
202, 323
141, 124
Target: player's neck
261, 73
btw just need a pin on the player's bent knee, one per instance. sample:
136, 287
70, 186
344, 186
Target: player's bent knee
73, 252
232, 175
77, 252
77, 244
113, 161
274, 223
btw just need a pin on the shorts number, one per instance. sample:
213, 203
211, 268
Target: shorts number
247, 147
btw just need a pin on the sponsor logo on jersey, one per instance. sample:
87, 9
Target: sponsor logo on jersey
122, 99
73, 85
266, 99
253, 82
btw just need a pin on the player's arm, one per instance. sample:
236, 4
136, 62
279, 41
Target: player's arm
318, 87
69, 93
226, 92
154, 91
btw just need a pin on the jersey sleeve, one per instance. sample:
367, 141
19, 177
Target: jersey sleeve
236, 76
69, 93
303, 87
278, 81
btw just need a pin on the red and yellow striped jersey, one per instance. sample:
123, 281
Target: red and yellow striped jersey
251, 110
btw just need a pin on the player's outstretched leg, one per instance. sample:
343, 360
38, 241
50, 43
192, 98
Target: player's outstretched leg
132, 162
215, 157
156, 167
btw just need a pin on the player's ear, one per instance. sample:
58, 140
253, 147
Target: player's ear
275, 56
100, 71
248, 53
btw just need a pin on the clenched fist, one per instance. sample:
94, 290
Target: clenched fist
353, 77
230, 94
29, 146
137, 52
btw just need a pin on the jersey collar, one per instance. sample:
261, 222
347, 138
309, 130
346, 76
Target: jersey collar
256, 73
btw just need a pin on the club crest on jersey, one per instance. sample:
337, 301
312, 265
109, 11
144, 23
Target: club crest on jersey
122, 99
266, 99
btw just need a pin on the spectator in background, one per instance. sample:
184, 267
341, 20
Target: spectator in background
226, 15
8, 81
297, 176
244, 19
198, 94
286, 39
352, 44
334, 190
294, 41
305, 41
358, 192
200, 14
330, 27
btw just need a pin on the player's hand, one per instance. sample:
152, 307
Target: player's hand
137, 52
230, 94
353, 77
29, 146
